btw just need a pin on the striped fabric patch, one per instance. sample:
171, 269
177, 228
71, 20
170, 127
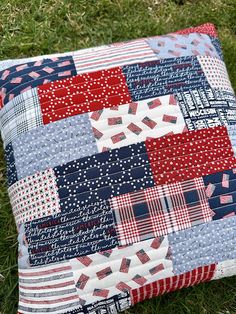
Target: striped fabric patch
51, 286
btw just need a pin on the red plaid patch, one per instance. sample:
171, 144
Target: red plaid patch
160, 210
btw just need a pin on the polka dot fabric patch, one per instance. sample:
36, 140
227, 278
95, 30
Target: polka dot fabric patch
83, 93
216, 73
121, 171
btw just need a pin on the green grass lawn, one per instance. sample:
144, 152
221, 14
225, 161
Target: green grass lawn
32, 27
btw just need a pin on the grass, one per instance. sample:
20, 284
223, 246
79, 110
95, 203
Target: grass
40, 27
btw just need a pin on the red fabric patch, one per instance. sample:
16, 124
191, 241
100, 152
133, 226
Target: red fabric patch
159, 287
1, 102
191, 136
83, 93
193, 154
207, 28
198, 171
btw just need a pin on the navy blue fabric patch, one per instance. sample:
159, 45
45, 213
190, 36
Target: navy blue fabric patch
218, 176
203, 108
77, 232
103, 158
141, 210
164, 77
110, 181
103, 170
191, 196
216, 43
35, 73
104, 175
11, 167
220, 189
223, 212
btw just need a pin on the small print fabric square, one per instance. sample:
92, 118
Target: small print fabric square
121, 171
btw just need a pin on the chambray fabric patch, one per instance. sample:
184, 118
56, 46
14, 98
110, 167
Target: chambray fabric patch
202, 245
175, 45
57, 143
121, 171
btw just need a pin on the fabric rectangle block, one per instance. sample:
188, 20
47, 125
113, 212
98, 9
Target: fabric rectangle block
211, 242
134, 122
162, 77
57, 143
108, 270
72, 232
21, 115
220, 188
184, 162
194, 277
176, 45
160, 210
34, 196
97, 90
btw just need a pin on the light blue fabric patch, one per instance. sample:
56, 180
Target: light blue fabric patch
23, 256
175, 45
203, 245
232, 135
53, 144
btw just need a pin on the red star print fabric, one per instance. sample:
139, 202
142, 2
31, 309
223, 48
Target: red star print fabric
121, 171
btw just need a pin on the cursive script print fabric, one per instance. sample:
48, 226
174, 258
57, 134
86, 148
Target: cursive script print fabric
121, 171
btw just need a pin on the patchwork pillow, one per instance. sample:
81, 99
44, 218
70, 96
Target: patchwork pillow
122, 171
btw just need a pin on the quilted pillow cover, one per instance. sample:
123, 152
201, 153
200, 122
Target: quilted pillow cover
122, 171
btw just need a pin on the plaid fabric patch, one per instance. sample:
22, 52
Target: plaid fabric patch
160, 210
21, 115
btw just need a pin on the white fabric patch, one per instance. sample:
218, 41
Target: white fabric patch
135, 122
225, 269
102, 275
216, 73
